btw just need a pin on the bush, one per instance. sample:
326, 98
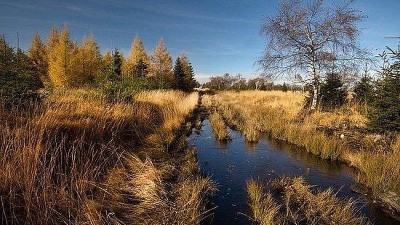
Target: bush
122, 91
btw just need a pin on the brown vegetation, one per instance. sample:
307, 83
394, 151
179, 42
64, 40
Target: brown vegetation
293, 202
78, 159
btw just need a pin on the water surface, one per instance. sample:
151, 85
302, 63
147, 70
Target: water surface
231, 164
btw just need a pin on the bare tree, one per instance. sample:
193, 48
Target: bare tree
308, 36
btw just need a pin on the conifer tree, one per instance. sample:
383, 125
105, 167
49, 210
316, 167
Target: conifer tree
190, 82
141, 69
18, 78
112, 66
117, 65
333, 93
179, 76
37, 53
385, 115
7, 57
364, 90
161, 66
137, 55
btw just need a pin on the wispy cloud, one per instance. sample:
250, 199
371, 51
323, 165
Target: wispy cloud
75, 8
172, 12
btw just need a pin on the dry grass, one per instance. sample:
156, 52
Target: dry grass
293, 202
265, 210
280, 114
218, 126
60, 163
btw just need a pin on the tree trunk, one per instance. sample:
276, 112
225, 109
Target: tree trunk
315, 85
315, 97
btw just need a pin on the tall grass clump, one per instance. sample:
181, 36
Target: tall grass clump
263, 207
218, 126
292, 201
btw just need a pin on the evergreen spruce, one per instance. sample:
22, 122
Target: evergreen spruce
386, 107
19, 80
190, 82
141, 69
117, 66
364, 90
179, 76
333, 93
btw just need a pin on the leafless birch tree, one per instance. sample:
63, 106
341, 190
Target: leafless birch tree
307, 35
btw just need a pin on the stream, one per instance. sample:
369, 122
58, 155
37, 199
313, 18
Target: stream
231, 164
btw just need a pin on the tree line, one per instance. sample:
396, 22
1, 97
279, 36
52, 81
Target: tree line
238, 83
59, 62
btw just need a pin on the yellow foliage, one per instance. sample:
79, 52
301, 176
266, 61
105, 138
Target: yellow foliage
137, 53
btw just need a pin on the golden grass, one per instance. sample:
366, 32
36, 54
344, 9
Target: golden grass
293, 202
218, 126
265, 210
281, 115
63, 162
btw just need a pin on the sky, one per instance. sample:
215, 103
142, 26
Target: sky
218, 36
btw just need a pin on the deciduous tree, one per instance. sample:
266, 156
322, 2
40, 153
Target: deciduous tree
306, 35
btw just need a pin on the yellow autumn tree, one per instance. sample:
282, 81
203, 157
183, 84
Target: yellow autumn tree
161, 65
64, 59
138, 62
107, 62
52, 40
37, 54
89, 60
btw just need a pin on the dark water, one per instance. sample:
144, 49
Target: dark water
231, 164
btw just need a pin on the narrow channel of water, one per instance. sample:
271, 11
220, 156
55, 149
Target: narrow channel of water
231, 164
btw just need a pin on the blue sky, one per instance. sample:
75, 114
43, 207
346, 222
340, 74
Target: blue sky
218, 36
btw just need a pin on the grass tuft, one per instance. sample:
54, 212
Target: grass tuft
293, 202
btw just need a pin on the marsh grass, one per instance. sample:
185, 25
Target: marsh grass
77, 159
292, 201
218, 126
281, 115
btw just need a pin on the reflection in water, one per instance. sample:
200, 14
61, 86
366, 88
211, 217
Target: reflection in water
231, 163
